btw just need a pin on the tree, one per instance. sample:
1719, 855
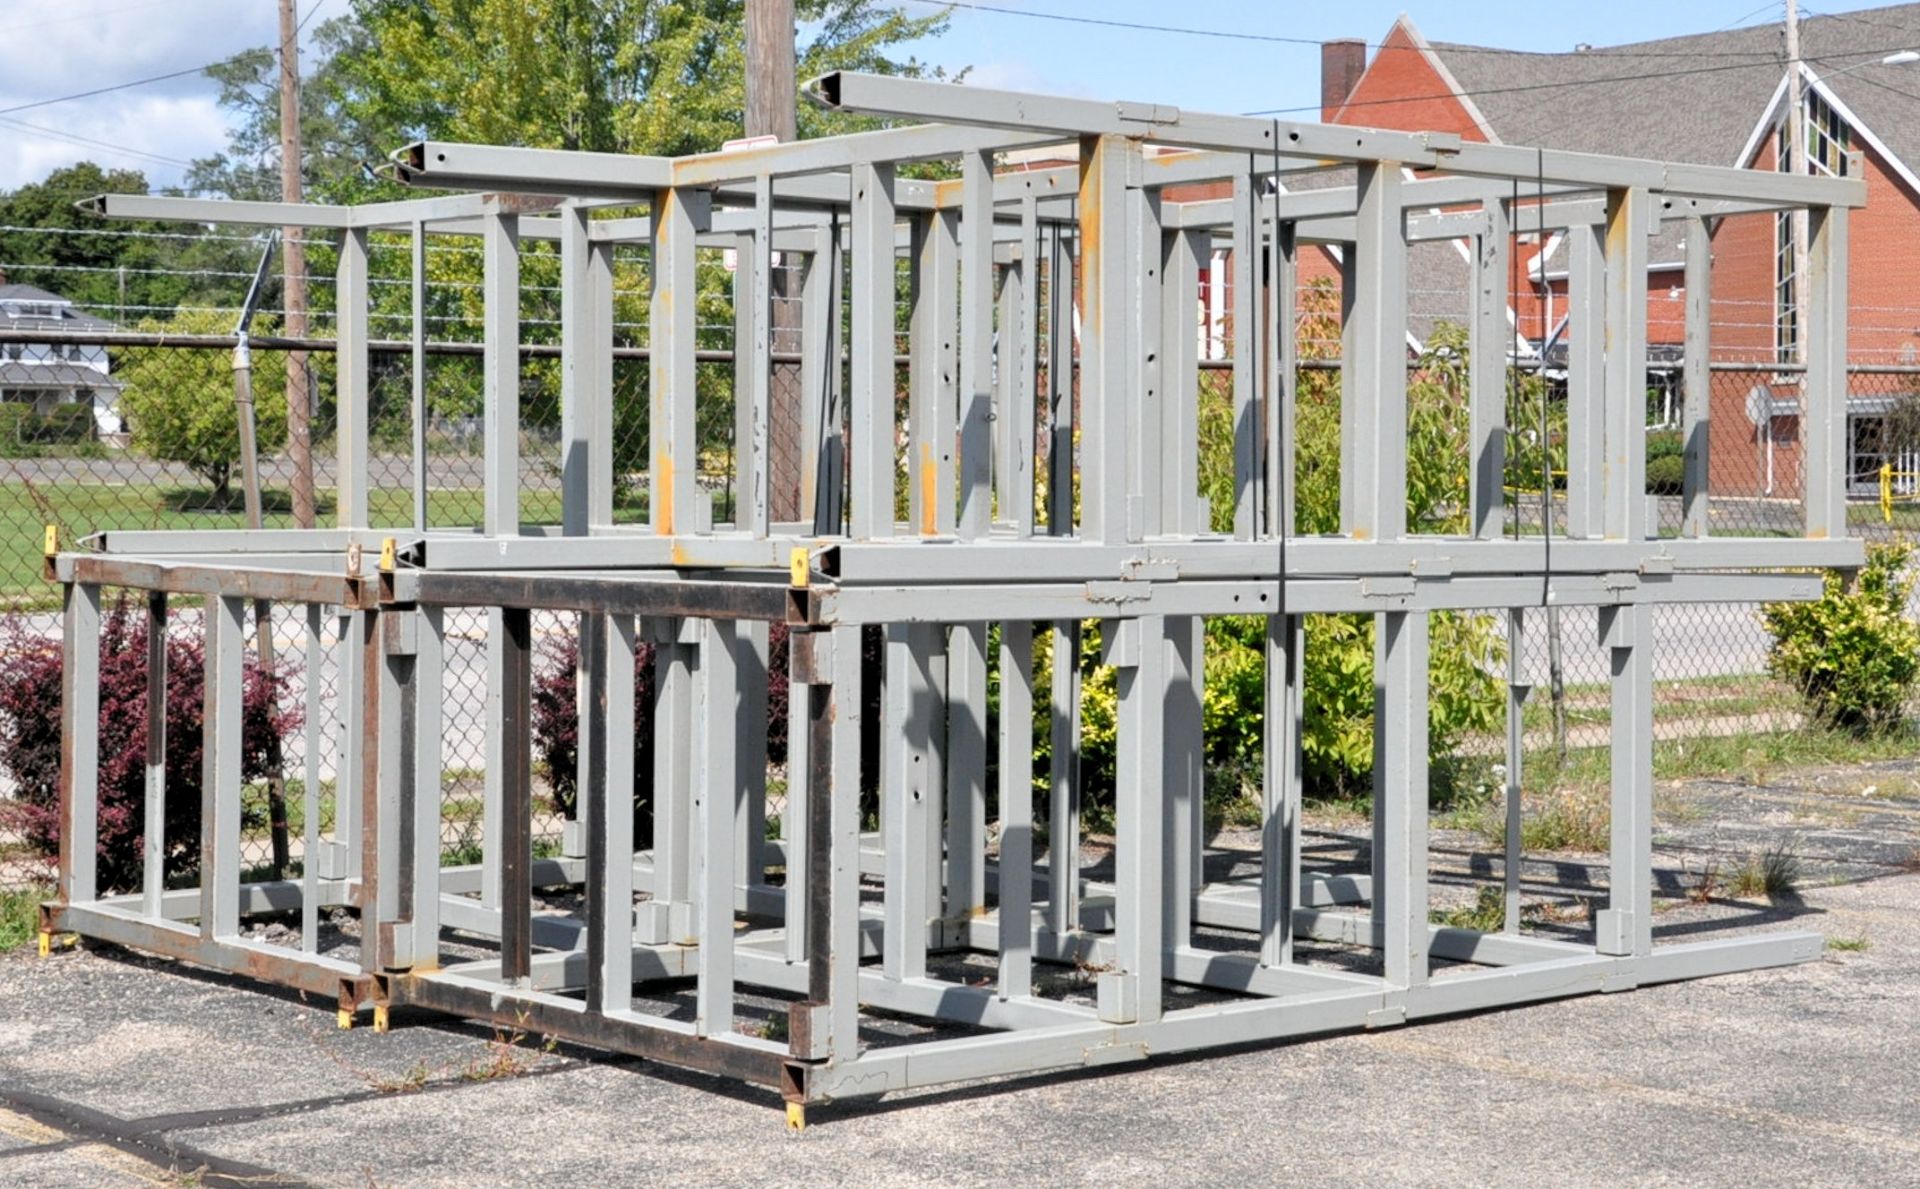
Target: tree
180, 404
60, 247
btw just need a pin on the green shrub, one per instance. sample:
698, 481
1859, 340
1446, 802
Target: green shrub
1665, 443
1853, 655
1666, 475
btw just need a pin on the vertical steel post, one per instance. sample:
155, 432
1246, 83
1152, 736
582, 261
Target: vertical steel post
1586, 381
678, 216
749, 742
1182, 774
755, 483
1025, 363
795, 818
1282, 357
516, 801
1063, 795
1016, 809
220, 769
905, 799
1517, 691
1178, 438
417, 377
500, 391
1138, 648
394, 802
1060, 386
429, 696
1248, 346
1491, 340
1626, 365
586, 374
154, 852
1282, 786
966, 770
976, 344
1625, 926
717, 684
1400, 794
350, 752
1825, 401
871, 398
932, 381
610, 645
310, 791
1111, 303
1697, 377
834, 925
351, 477
666, 917
1378, 367
80, 745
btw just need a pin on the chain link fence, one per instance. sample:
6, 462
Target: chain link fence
68, 458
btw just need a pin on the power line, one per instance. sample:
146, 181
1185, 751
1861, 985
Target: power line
76, 138
138, 82
1273, 38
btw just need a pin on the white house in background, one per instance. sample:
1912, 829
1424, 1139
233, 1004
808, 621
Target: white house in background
47, 374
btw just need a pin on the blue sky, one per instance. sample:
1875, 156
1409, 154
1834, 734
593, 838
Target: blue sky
50, 50
1231, 74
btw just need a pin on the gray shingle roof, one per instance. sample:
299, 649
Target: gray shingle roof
65, 315
53, 375
1634, 100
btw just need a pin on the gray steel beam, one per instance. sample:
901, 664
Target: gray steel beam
976, 346
679, 216
1696, 378
352, 413
1625, 331
1491, 340
1825, 421
871, 396
500, 387
1586, 383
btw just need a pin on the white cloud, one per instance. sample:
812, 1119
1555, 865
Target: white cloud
52, 51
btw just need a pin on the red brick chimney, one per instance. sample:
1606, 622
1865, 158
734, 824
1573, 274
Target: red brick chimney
1342, 63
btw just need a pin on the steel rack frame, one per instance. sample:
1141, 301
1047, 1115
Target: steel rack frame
1053, 299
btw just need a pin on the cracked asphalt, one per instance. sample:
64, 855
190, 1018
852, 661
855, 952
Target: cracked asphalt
116, 1069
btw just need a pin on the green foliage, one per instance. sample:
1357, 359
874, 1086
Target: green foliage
181, 409
20, 916
180, 269
1773, 873
1487, 914
1666, 462
65, 430
1666, 475
1853, 655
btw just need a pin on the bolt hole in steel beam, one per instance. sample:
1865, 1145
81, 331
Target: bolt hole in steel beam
964, 531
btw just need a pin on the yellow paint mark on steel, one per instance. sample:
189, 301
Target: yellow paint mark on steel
389, 555
796, 1116
51, 545
797, 567
929, 486
663, 515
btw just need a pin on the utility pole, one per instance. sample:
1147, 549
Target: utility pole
770, 83
1791, 160
299, 381
771, 98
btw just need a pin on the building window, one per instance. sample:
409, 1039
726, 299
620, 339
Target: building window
1827, 142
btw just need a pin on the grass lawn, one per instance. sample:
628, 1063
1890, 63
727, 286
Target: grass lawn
82, 508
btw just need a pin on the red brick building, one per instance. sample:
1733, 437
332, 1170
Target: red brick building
1713, 98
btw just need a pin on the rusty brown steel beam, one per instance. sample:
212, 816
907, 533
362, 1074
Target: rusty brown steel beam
538, 1014
643, 594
